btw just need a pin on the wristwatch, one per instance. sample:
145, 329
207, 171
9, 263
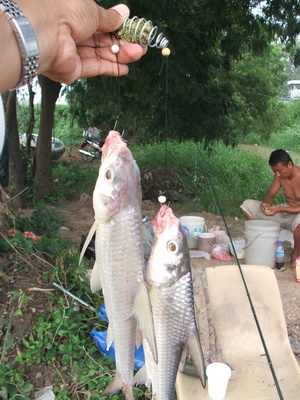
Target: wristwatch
26, 39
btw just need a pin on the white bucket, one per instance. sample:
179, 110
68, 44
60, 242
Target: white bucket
192, 226
260, 242
218, 375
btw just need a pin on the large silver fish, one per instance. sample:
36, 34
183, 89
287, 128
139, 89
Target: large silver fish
169, 280
119, 263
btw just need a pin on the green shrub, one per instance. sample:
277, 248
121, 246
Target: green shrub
289, 139
74, 179
232, 174
43, 221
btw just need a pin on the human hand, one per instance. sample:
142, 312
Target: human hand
270, 210
264, 207
75, 38
82, 48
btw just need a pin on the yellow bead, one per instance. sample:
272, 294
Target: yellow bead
166, 52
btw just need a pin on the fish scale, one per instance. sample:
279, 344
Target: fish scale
120, 262
171, 331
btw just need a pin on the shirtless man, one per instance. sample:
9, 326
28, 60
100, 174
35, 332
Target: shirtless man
287, 177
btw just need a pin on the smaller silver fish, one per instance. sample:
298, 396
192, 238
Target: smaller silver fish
169, 281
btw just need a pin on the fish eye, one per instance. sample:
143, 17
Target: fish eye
109, 174
172, 247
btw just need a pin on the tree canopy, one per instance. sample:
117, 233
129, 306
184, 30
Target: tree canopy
195, 92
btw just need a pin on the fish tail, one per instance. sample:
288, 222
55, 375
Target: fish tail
127, 389
196, 353
116, 385
141, 377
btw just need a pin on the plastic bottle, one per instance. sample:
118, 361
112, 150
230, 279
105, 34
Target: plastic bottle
298, 270
148, 234
279, 255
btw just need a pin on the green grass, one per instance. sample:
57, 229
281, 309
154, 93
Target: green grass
74, 179
221, 175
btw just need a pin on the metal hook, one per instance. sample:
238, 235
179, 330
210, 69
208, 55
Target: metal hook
117, 120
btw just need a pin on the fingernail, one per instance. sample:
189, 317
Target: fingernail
122, 9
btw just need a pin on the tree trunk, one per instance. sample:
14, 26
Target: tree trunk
16, 172
44, 184
30, 126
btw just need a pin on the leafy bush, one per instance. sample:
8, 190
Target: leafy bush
231, 173
43, 221
288, 139
65, 127
74, 179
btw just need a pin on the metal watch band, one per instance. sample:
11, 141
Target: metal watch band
26, 39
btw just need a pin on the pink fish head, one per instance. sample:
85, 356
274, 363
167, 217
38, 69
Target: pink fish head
113, 143
118, 184
164, 219
169, 258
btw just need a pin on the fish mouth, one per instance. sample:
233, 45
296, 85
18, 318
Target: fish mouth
164, 219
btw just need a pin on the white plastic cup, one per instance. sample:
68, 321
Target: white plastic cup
218, 375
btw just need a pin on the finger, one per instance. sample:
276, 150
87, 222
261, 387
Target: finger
94, 67
129, 52
99, 39
110, 20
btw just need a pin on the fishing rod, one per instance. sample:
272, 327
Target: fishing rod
267, 354
75, 297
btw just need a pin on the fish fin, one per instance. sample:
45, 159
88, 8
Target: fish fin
143, 314
95, 281
138, 338
116, 385
141, 377
182, 360
109, 338
87, 240
195, 351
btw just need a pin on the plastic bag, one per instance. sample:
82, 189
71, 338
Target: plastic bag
100, 341
221, 252
199, 253
221, 236
239, 246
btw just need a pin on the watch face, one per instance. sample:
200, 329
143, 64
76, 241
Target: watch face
27, 37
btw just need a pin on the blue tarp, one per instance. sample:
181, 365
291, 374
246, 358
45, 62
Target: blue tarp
100, 341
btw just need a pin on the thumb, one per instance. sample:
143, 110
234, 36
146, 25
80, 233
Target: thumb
112, 19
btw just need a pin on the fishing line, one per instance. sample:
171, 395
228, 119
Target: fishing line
216, 199
166, 63
113, 37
